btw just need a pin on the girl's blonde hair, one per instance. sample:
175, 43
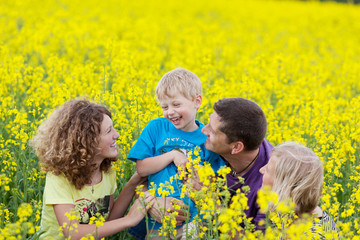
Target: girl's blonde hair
298, 174
67, 141
181, 81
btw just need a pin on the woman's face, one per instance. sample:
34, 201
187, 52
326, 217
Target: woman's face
107, 140
268, 172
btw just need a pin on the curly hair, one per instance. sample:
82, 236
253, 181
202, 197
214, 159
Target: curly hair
67, 141
298, 174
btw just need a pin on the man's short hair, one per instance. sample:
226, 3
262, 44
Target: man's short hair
181, 81
242, 120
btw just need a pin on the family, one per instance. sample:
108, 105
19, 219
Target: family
76, 146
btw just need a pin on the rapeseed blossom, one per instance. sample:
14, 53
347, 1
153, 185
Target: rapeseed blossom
298, 60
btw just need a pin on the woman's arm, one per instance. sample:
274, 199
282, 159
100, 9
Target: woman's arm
125, 197
107, 229
116, 222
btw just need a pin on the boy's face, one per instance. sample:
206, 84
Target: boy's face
181, 111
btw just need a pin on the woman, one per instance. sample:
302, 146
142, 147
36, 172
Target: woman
76, 146
295, 171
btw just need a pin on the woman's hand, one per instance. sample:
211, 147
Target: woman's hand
136, 212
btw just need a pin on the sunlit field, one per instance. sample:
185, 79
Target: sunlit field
300, 61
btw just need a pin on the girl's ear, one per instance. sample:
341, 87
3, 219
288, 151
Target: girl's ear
198, 101
237, 147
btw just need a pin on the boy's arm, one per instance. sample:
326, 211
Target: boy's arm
153, 165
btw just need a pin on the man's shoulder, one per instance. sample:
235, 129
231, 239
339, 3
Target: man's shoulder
266, 147
266, 144
253, 176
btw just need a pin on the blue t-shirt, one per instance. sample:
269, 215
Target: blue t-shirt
159, 137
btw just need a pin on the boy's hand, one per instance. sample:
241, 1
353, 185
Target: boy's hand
196, 184
179, 158
159, 204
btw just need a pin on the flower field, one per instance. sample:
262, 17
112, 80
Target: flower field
300, 61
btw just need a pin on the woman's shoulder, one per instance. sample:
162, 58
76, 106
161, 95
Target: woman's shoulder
109, 176
59, 181
50, 176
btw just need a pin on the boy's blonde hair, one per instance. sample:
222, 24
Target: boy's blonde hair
181, 81
298, 174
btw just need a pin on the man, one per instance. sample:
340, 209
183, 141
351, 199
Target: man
236, 131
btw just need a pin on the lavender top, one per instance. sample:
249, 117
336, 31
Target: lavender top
253, 179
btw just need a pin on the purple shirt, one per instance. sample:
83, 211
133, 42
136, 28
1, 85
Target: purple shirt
253, 179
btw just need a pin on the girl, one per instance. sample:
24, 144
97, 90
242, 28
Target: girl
295, 171
76, 146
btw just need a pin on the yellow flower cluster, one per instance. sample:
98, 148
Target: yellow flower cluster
298, 60
4, 181
282, 222
23, 227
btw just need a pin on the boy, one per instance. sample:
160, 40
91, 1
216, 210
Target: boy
165, 142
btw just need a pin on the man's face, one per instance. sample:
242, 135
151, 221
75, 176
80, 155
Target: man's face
216, 140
